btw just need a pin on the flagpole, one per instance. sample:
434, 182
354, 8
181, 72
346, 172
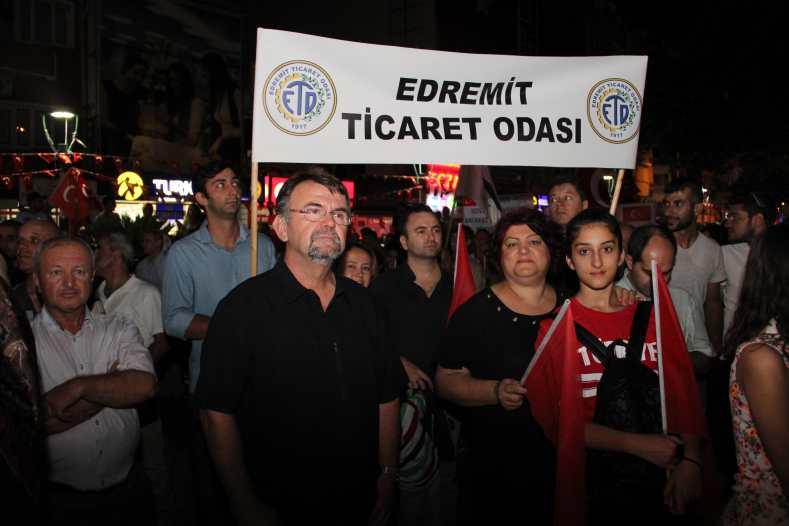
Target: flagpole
253, 220
661, 375
618, 188
544, 342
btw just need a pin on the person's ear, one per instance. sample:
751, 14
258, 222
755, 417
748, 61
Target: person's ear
404, 242
201, 199
629, 262
621, 258
280, 227
584, 204
569, 262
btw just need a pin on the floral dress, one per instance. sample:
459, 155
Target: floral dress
758, 498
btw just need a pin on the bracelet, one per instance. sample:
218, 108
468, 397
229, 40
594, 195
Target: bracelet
692, 461
496, 391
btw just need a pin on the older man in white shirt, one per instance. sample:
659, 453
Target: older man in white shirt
654, 242
94, 370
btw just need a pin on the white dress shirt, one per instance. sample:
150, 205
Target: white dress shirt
99, 452
137, 301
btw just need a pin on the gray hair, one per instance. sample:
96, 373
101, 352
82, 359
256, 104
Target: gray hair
120, 242
59, 242
316, 174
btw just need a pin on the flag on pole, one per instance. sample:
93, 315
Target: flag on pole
463, 287
72, 196
475, 183
554, 391
680, 402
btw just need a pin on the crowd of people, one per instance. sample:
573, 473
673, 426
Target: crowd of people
334, 387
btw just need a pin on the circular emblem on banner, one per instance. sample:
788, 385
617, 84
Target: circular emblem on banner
614, 110
130, 186
299, 97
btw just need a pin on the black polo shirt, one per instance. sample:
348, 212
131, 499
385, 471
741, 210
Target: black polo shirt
415, 320
305, 387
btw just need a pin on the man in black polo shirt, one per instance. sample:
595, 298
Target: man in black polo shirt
415, 302
298, 393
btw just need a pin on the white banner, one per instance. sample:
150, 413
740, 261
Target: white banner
320, 100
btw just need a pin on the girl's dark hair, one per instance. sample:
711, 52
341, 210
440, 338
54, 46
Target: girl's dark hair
588, 217
765, 289
549, 232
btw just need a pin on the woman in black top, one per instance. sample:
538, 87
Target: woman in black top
509, 470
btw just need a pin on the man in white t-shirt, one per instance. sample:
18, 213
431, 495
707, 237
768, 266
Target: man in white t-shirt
747, 217
699, 267
126, 296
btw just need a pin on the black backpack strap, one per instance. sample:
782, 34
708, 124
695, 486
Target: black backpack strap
638, 330
592, 343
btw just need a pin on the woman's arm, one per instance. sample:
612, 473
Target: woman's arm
660, 450
765, 380
457, 385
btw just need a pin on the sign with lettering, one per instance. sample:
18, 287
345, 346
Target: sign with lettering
331, 101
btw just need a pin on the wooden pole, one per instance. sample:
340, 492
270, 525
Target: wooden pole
617, 189
253, 220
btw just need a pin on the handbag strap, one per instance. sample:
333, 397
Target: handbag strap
593, 343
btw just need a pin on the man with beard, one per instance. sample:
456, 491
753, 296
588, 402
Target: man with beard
415, 302
199, 271
699, 268
299, 393
747, 217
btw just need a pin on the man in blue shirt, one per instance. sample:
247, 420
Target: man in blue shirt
199, 271
204, 266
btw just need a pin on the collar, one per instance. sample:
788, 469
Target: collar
406, 275
204, 236
289, 287
50, 322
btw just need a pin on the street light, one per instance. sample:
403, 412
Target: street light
65, 116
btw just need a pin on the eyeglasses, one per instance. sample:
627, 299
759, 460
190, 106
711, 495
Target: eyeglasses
318, 213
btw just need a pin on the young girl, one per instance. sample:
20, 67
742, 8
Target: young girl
594, 252
759, 385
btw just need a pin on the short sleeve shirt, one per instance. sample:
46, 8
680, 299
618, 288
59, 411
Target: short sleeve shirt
697, 266
137, 301
304, 384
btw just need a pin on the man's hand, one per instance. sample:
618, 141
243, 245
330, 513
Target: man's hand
661, 450
417, 379
63, 397
384, 505
510, 393
626, 297
683, 487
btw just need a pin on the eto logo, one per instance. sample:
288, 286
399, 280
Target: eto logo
299, 97
614, 110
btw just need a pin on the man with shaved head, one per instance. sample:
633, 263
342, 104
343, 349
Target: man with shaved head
656, 243
32, 234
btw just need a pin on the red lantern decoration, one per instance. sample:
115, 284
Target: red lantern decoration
8, 182
18, 163
76, 156
27, 182
48, 158
99, 162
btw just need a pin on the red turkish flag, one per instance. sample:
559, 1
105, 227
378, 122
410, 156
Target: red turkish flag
72, 196
464, 286
683, 413
553, 382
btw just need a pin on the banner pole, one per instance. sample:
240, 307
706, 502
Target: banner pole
544, 342
253, 220
618, 188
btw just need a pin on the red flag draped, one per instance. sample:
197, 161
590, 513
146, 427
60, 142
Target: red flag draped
683, 404
554, 393
464, 286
